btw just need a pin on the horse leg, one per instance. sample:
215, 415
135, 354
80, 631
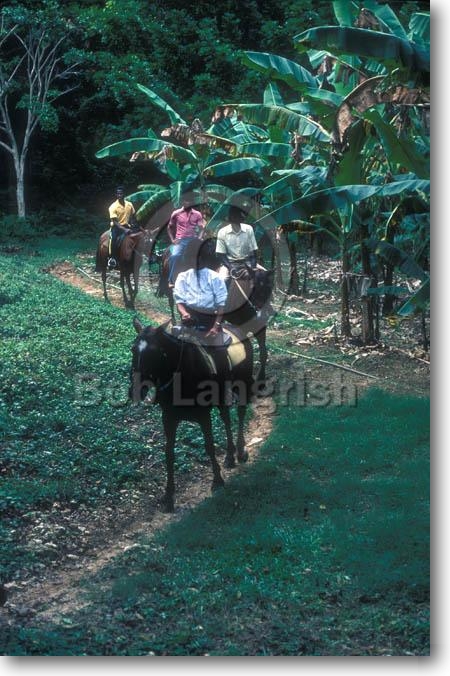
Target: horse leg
231, 448
170, 429
261, 340
205, 423
125, 279
105, 294
171, 303
131, 292
136, 284
242, 454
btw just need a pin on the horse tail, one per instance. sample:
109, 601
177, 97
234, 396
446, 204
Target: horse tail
99, 260
163, 277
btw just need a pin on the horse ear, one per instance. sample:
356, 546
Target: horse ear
138, 326
163, 327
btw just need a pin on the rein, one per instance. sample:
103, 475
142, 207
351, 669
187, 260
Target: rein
254, 308
164, 387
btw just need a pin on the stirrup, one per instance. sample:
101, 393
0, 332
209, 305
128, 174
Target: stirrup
112, 263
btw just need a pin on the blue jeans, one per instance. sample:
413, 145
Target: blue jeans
176, 254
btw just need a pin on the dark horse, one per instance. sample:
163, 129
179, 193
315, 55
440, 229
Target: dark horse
187, 381
132, 248
248, 304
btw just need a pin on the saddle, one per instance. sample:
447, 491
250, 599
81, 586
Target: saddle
230, 341
126, 246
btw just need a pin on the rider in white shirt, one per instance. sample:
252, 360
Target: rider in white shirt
200, 293
236, 243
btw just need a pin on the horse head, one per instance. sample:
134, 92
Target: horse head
148, 366
262, 287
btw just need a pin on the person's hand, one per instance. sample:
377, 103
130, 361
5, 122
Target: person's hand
214, 331
186, 319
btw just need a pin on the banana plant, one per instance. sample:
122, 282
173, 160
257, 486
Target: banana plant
189, 165
364, 113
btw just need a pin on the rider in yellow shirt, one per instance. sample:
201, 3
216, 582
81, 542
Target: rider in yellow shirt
122, 217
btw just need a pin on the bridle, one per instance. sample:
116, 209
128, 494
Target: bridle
165, 386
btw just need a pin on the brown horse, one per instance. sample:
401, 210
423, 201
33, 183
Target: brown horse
248, 304
134, 246
187, 380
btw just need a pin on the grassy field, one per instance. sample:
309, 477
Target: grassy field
321, 547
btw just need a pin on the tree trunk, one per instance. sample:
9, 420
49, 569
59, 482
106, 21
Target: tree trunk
368, 332
367, 301
294, 286
346, 331
388, 303
19, 166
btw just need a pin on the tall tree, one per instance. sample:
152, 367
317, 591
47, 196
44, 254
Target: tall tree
35, 71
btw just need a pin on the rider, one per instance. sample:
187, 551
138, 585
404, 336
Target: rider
185, 224
236, 243
122, 215
200, 293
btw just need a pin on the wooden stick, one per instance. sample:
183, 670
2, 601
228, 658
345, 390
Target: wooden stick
98, 281
324, 361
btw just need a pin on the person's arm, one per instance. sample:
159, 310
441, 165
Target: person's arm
172, 228
179, 297
252, 259
253, 248
185, 316
224, 260
214, 330
112, 216
221, 250
220, 295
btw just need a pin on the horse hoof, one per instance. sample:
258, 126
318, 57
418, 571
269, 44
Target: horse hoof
167, 505
217, 483
243, 457
229, 462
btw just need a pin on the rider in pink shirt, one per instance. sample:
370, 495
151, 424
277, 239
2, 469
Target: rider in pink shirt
185, 224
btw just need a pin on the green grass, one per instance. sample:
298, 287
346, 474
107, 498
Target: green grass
63, 402
321, 547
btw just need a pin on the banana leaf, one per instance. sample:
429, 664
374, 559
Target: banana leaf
285, 119
408, 186
300, 179
399, 150
343, 12
419, 28
243, 198
368, 43
321, 202
349, 169
272, 96
278, 67
153, 204
266, 149
217, 192
396, 258
235, 166
329, 99
158, 101
387, 18
418, 302
151, 187
143, 194
147, 145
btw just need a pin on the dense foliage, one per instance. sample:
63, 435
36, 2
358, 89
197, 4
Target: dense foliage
191, 56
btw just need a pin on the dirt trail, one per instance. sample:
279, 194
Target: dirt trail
57, 593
